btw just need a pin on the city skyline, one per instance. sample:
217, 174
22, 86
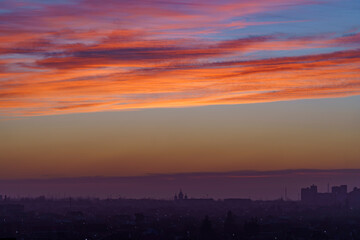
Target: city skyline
255, 185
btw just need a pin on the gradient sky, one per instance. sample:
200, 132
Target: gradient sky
124, 88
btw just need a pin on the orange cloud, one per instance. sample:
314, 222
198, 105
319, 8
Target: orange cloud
89, 56
59, 91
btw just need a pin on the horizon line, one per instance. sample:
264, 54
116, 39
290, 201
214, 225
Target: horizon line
240, 173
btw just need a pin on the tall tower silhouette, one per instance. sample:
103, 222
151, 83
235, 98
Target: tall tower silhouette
181, 195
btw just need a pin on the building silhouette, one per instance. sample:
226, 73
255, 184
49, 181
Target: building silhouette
309, 194
338, 196
354, 197
183, 198
180, 196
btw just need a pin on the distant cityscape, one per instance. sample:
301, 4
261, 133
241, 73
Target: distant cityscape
333, 214
339, 195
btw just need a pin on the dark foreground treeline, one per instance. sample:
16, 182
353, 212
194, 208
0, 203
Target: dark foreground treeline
174, 220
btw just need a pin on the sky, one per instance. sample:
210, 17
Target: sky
130, 88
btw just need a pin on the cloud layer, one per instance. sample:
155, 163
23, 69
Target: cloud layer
84, 56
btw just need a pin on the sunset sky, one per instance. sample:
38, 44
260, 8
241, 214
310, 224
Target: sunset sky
136, 87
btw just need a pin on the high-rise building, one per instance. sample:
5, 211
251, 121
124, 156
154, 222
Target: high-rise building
309, 194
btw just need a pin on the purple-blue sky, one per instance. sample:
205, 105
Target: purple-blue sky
127, 88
